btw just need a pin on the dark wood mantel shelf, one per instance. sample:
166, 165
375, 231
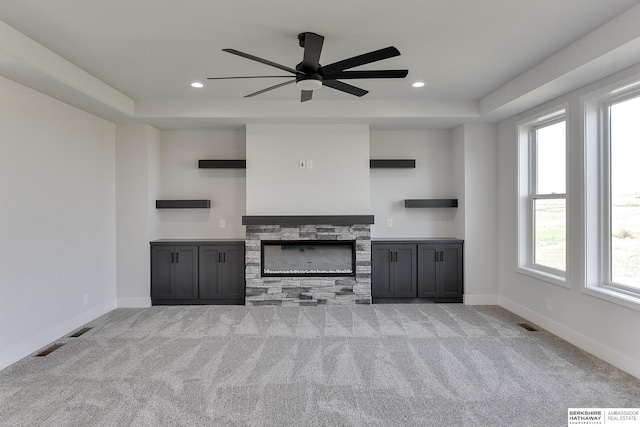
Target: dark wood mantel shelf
306, 219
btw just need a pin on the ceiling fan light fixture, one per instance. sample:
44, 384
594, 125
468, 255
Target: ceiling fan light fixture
309, 82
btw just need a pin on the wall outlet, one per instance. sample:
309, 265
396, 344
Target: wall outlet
309, 164
547, 304
85, 299
302, 164
223, 223
389, 222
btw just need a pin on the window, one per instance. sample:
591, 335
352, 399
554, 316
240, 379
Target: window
620, 198
543, 197
612, 193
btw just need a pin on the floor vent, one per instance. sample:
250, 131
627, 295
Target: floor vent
80, 332
49, 350
527, 326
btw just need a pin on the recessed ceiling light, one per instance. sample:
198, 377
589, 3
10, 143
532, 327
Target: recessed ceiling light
197, 84
418, 84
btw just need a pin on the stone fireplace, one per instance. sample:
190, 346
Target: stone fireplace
330, 246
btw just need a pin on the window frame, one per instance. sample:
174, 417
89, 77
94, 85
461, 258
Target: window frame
605, 179
527, 195
597, 193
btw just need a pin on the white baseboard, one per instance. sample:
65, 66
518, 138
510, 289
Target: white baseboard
480, 299
134, 302
609, 355
52, 334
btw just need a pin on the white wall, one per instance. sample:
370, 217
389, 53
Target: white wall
458, 135
433, 178
57, 221
338, 183
480, 210
604, 328
180, 151
137, 181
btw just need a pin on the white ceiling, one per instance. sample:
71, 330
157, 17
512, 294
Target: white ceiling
482, 59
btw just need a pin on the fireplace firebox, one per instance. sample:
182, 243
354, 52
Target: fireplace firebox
308, 258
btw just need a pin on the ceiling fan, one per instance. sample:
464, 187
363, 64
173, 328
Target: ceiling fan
310, 75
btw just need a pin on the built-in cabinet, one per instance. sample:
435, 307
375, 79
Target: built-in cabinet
197, 272
440, 270
393, 270
427, 270
221, 272
174, 272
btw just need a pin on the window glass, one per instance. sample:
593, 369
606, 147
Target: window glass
551, 159
550, 229
624, 193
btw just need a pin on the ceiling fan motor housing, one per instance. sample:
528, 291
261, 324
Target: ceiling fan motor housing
309, 82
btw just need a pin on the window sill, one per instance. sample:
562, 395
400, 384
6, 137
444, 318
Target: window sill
554, 279
613, 295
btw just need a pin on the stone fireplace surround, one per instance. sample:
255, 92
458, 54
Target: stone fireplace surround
307, 291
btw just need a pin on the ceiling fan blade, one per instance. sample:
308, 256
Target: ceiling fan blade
365, 58
312, 48
344, 87
261, 60
269, 88
247, 77
306, 95
374, 74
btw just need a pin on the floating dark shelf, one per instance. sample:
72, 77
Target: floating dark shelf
431, 203
306, 219
222, 164
392, 163
183, 204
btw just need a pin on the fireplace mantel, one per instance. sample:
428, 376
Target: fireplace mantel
306, 219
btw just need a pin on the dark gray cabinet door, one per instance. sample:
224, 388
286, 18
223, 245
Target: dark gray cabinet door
209, 270
186, 272
381, 271
162, 272
222, 272
404, 271
428, 256
233, 272
451, 270
174, 272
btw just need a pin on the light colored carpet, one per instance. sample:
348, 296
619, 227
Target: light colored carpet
379, 365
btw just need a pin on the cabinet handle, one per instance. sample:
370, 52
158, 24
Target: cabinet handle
390, 256
441, 255
396, 256
177, 257
172, 257
436, 256
224, 257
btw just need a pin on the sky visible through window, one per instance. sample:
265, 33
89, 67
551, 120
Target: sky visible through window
551, 159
